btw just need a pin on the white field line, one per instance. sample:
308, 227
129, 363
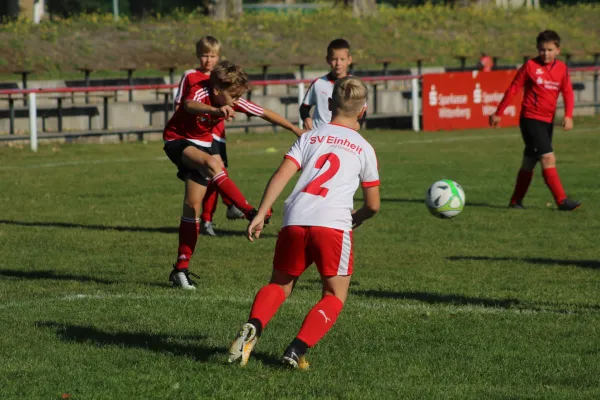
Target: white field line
449, 139
356, 301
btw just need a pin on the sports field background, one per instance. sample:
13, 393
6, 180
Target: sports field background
494, 304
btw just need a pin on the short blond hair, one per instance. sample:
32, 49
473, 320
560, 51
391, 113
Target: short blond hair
349, 95
207, 44
228, 76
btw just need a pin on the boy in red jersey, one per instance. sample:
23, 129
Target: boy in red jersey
208, 53
189, 142
543, 78
318, 222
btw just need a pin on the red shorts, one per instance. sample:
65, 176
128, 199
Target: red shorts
299, 246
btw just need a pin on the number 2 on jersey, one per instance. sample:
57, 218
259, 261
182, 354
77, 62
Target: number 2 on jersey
315, 187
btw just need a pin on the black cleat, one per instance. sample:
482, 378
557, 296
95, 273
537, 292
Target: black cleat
293, 358
568, 205
252, 213
518, 206
181, 279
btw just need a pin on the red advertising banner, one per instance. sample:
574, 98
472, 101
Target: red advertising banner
461, 100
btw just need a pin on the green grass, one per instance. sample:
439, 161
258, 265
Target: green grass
494, 304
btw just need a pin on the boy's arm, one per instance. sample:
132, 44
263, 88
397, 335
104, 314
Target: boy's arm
371, 204
305, 116
181, 91
196, 107
273, 117
514, 88
277, 183
569, 100
252, 109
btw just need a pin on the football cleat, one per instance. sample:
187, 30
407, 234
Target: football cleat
568, 205
234, 213
518, 205
252, 213
243, 344
292, 358
181, 279
206, 228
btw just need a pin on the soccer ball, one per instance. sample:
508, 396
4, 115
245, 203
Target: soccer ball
445, 199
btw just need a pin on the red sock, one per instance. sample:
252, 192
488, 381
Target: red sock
553, 183
523, 180
228, 203
209, 202
189, 229
266, 303
230, 191
320, 319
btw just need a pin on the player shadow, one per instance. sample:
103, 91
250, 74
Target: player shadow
422, 201
460, 300
92, 227
228, 233
164, 344
590, 264
51, 275
119, 228
436, 298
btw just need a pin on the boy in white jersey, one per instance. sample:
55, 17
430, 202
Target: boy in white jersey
318, 221
319, 92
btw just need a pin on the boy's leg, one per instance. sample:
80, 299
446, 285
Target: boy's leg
188, 233
211, 166
523, 181
288, 264
332, 251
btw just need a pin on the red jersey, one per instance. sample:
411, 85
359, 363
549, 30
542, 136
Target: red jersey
199, 128
190, 78
542, 82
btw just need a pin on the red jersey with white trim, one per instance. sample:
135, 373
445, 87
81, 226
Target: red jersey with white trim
190, 78
199, 128
334, 161
542, 83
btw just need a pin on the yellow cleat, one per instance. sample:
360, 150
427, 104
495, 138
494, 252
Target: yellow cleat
243, 344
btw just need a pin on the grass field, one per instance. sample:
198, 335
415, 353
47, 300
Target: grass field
494, 304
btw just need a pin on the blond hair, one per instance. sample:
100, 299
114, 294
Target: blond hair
349, 96
230, 77
207, 44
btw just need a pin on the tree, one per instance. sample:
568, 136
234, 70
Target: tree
361, 8
223, 9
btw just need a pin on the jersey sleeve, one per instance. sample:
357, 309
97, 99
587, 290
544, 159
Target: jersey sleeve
517, 84
249, 108
310, 98
296, 151
197, 93
567, 94
369, 175
182, 90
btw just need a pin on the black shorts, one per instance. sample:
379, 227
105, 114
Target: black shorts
220, 148
174, 149
537, 136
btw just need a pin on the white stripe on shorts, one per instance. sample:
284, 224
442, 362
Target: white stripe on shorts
345, 257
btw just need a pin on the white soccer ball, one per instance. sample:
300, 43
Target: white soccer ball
445, 199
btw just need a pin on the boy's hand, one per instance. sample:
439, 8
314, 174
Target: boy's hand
227, 112
255, 227
299, 131
567, 123
494, 120
308, 123
356, 222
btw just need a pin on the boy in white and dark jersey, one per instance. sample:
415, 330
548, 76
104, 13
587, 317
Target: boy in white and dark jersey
318, 221
319, 92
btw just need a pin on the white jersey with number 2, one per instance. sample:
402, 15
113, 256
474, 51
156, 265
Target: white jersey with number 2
334, 161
